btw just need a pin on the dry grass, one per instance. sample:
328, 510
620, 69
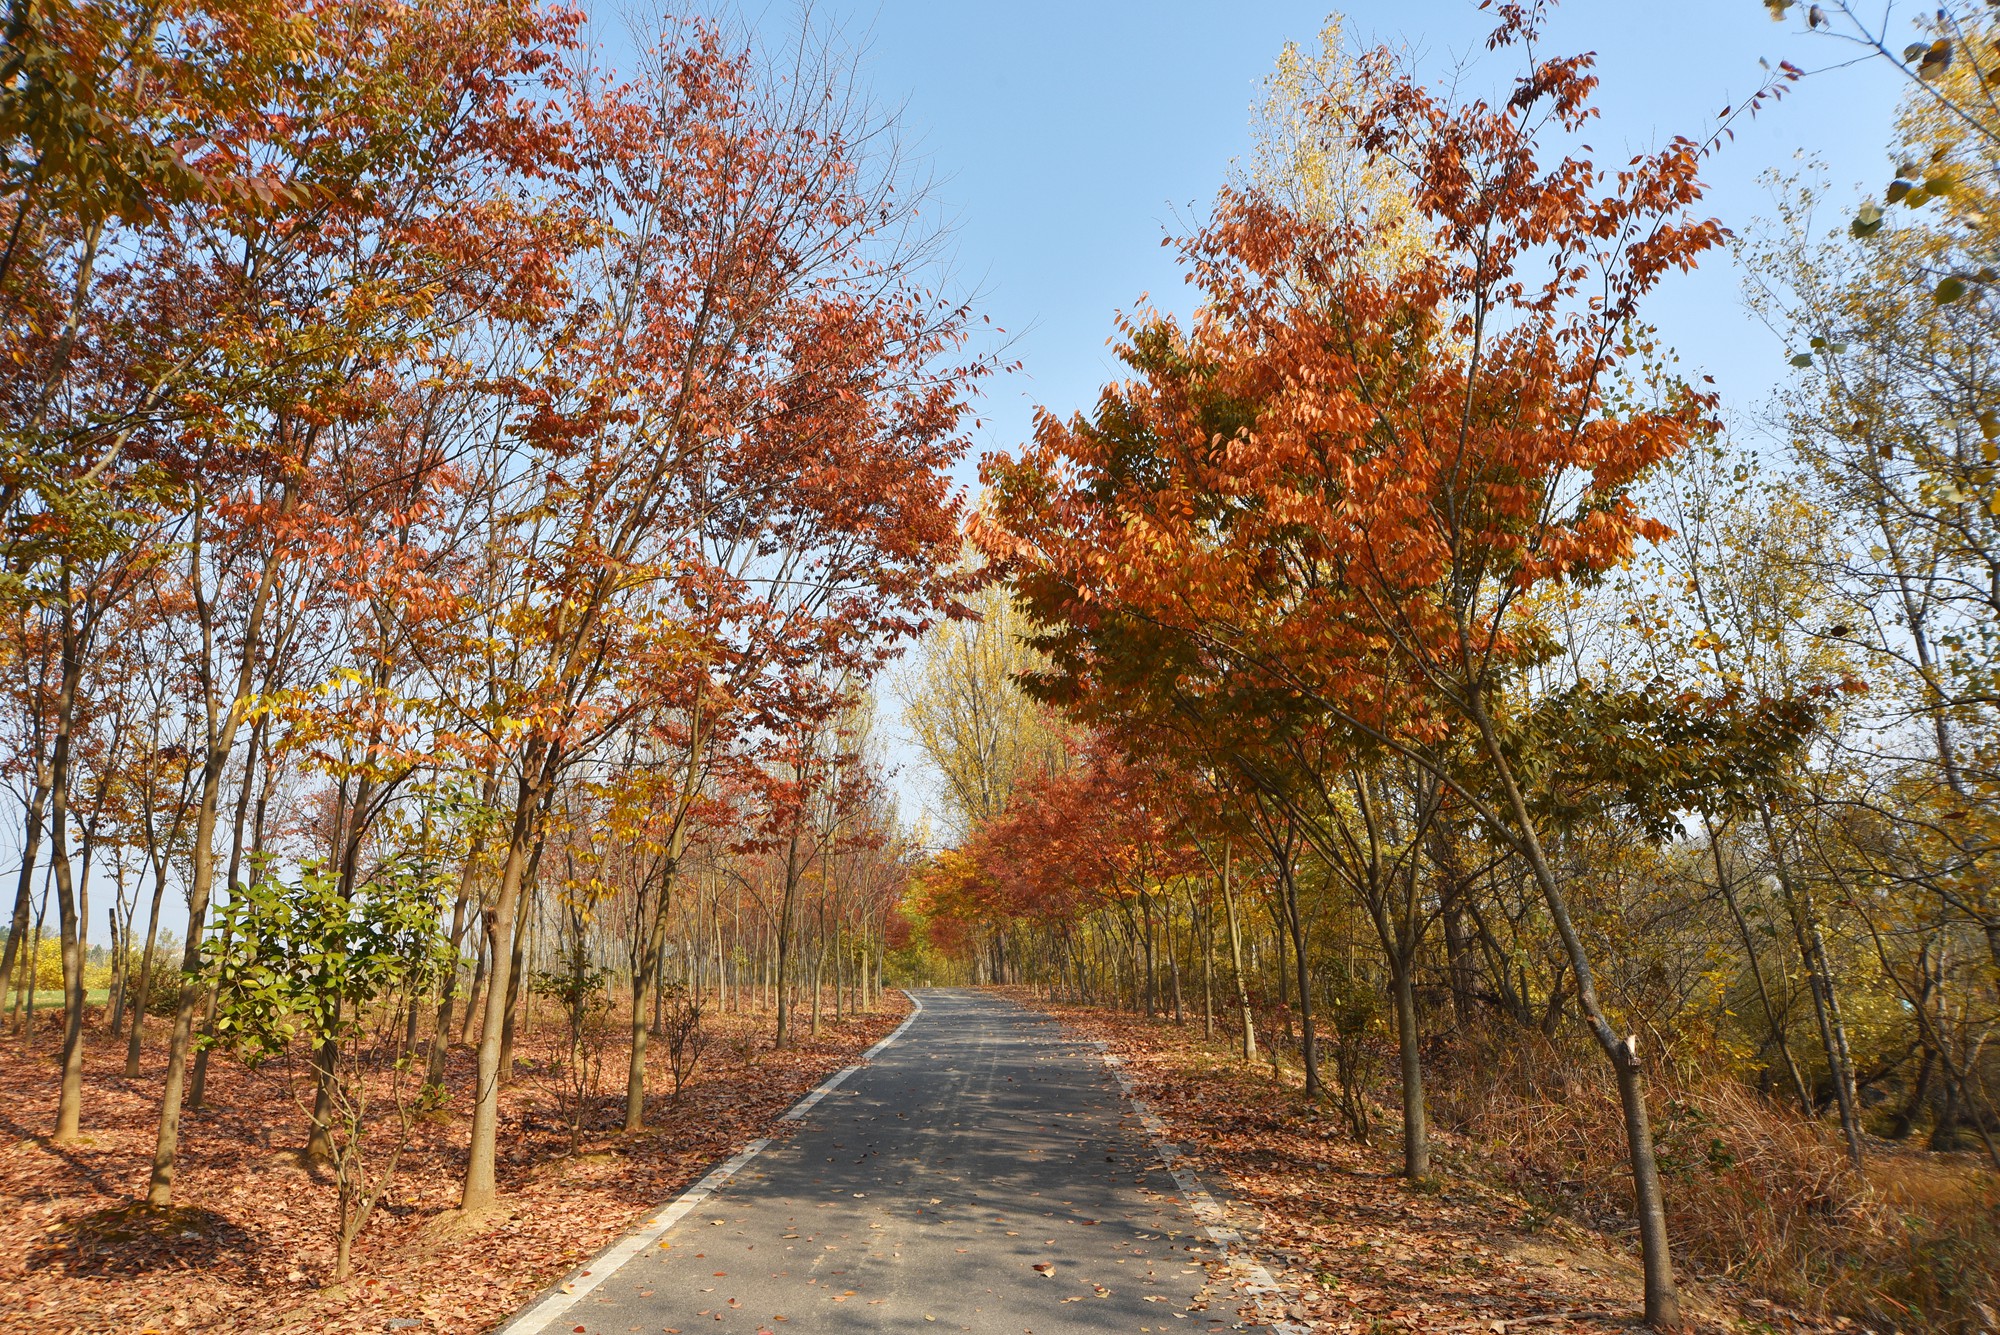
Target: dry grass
1757, 1196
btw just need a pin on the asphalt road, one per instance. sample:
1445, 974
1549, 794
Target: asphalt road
924, 1193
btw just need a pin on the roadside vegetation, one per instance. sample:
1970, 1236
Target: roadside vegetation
1557, 779
454, 496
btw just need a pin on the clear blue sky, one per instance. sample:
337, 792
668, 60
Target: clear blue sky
1068, 138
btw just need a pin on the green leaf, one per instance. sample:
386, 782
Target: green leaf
1802, 359
1949, 290
1867, 222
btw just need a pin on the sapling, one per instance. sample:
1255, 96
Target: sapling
300, 966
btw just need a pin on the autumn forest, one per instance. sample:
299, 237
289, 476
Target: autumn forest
496, 536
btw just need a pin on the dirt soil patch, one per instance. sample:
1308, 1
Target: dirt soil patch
249, 1244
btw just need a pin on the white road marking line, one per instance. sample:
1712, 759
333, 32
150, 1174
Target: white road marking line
897, 1032
1255, 1281
537, 1317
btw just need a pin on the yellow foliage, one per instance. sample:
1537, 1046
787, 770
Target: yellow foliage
49, 973
1304, 151
964, 706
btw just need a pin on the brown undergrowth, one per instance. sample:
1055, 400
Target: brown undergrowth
1523, 1227
1757, 1195
250, 1243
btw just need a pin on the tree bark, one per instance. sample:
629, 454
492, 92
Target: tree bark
1416, 1122
1236, 962
481, 1188
146, 969
523, 920
782, 997
1206, 915
1663, 1306
1826, 1002
644, 977
441, 1031
70, 913
1288, 889
223, 721
24, 885
198, 1085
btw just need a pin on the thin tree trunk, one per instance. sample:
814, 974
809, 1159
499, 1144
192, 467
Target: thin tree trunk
1295, 926
481, 1188
1236, 962
441, 1031
648, 977
223, 721
232, 881
1663, 1308
1457, 949
121, 952
818, 978
1826, 1002
1207, 917
1409, 1051
656, 943
784, 1006
482, 951
1771, 1019
523, 921
146, 970
24, 884
69, 911
33, 963
1905, 1120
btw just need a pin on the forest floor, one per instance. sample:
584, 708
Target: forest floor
249, 1245
1352, 1245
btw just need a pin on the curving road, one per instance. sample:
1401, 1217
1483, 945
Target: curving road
981, 1174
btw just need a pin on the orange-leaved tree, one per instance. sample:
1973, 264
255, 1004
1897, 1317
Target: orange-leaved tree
733, 474
1353, 484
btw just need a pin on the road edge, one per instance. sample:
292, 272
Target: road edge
539, 1313
1249, 1276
